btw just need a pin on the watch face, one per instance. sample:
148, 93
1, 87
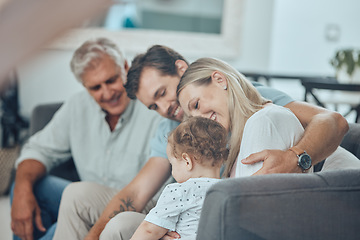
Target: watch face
305, 161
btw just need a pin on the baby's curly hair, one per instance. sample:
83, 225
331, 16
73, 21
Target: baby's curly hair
203, 138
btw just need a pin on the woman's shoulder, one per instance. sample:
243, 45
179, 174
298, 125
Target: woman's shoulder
271, 113
271, 110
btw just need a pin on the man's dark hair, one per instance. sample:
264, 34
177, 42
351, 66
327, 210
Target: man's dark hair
159, 57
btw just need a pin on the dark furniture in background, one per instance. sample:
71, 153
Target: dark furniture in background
327, 83
313, 83
11, 122
257, 76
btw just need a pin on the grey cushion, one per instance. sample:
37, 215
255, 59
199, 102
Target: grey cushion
283, 206
41, 115
351, 141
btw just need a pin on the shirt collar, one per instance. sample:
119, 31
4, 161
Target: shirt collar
123, 118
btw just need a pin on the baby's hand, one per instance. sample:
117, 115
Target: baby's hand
170, 236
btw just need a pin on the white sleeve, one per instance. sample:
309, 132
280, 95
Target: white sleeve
273, 128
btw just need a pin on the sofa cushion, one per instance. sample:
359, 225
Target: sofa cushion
324, 205
351, 140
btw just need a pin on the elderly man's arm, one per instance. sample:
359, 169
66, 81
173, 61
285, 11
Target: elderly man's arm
324, 131
136, 194
25, 209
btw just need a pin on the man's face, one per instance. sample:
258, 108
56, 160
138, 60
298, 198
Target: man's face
105, 85
158, 92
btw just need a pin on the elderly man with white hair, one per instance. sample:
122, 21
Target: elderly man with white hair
105, 133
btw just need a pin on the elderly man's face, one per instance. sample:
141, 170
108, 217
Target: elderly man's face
105, 85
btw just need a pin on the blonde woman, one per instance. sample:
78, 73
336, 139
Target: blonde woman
212, 88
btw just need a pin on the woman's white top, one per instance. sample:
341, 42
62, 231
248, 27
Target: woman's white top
276, 127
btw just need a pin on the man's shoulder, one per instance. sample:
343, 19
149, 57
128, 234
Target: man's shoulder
167, 125
276, 96
141, 109
82, 95
164, 127
80, 104
141, 117
81, 98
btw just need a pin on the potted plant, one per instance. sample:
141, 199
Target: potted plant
347, 65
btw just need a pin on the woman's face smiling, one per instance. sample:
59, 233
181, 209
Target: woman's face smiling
209, 101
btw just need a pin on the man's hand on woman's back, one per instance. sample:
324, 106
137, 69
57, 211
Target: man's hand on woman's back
275, 161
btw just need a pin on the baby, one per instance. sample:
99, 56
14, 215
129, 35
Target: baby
196, 150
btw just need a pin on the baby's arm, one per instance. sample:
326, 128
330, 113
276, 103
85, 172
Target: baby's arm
149, 231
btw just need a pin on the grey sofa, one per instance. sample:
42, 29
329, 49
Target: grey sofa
286, 206
279, 206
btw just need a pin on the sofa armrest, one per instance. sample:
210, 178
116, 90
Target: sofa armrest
283, 206
351, 140
40, 116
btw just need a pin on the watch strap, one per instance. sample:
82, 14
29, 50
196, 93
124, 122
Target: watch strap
298, 151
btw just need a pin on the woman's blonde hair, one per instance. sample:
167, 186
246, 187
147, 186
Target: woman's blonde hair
243, 98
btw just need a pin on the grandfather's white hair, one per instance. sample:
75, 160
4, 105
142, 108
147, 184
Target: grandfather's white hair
91, 52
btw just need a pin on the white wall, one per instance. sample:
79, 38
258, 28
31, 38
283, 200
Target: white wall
299, 43
255, 44
46, 78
